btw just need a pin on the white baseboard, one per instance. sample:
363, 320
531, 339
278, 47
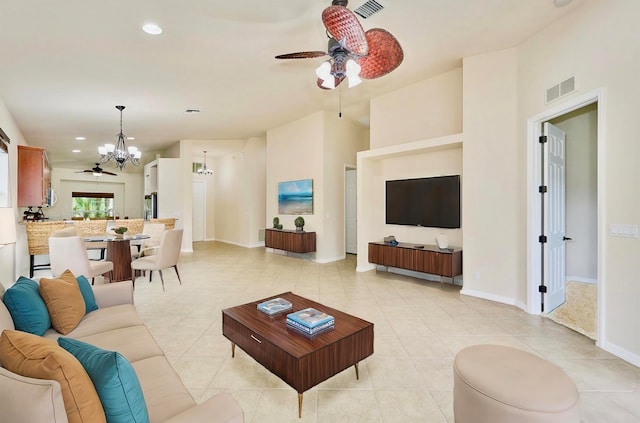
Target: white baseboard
496, 298
580, 279
365, 268
330, 260
620, 352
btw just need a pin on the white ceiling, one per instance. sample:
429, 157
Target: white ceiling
65, 65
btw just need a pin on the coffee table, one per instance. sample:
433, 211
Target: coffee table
301, 362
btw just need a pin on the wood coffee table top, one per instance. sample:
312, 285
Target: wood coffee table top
300, 361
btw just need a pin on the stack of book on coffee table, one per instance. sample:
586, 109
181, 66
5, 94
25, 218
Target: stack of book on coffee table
275, 306
310, 321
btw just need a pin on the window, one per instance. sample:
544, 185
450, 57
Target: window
92, 204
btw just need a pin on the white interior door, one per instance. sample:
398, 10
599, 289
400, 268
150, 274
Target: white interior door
198, 211
554, 218
351, 208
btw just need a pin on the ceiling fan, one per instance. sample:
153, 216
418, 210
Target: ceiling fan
97, 171
353, 53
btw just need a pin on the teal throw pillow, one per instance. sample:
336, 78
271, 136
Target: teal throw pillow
27, 308
115, 381
87, 294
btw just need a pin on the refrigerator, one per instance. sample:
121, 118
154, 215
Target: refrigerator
151, 206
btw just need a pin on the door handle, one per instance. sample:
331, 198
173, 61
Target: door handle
564, 238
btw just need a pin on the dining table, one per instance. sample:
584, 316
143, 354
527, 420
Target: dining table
119, 253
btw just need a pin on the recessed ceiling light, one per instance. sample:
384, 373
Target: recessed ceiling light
75, 151
80, 138
152, 29
131, 138
192, 111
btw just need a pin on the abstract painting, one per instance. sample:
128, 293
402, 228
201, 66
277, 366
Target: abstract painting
295, 197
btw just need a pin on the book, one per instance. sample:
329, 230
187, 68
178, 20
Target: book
274, 306
310, 317
310, 331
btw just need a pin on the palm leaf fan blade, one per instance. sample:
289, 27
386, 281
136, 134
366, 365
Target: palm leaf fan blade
385, 54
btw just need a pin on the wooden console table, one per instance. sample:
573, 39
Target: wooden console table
429, 259
287, 240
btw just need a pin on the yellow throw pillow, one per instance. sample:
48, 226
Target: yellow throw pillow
64, 301
32, 356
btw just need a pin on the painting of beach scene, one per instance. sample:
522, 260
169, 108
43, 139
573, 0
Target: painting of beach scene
295, 197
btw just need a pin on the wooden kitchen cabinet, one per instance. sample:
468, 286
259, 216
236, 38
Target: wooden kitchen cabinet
34, 177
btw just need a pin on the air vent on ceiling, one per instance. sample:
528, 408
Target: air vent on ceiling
368, 8
560, 90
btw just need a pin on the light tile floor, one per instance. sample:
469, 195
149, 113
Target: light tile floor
419, 327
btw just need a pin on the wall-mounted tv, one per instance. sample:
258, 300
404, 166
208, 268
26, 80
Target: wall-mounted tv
430, 202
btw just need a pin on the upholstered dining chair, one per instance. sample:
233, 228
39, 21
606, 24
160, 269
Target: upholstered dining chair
87, 228
69, 252
150, 245
167, 256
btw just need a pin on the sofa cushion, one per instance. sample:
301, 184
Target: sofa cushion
32, 356
85, 290
114, 379
27, 309
163, 390
134, 343
102, 320
64, 302
43, 397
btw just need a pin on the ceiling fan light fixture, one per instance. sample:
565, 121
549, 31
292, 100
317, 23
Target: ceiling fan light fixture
353, 71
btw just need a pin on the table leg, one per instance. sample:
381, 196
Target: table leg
357, 374
299, 405
233, 350
119, 253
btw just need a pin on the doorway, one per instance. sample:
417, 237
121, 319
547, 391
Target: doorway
582, 120
581, 256
199, 211
351, 211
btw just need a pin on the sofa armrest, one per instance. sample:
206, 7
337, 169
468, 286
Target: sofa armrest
113, 294
24, 399
220, 408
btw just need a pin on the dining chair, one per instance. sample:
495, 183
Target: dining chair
167, 256
38, 242
150, 245
69, 252
88, 228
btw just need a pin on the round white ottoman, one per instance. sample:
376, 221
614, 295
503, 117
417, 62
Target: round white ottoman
498, 384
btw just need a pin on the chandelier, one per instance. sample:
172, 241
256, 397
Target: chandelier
204, 170
119, 153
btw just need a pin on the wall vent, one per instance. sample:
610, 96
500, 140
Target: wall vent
261, 235
369, 8
560, 90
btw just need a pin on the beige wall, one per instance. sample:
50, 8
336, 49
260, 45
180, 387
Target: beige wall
8, 253
494, 259
342, 140
428, 109
315, 147
240, 194
598, 43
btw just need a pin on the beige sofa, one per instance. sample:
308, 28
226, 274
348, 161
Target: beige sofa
114, 326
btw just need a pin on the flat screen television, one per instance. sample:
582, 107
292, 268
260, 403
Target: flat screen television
430, 202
